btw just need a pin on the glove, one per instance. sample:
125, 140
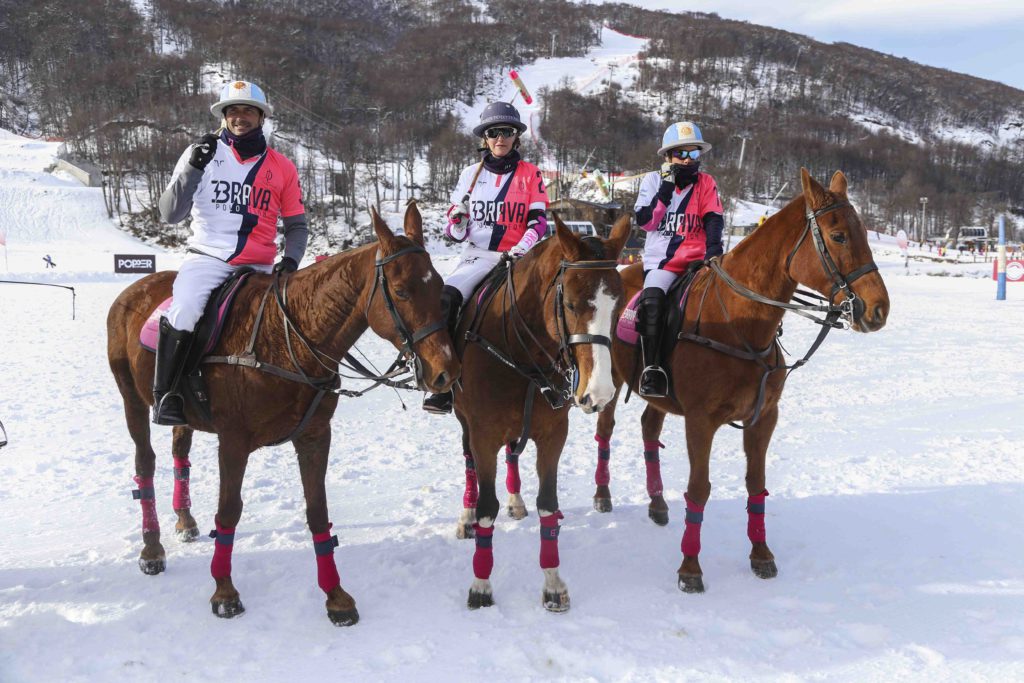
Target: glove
528, 239
668, 184
286, 265
203, 151
458, 221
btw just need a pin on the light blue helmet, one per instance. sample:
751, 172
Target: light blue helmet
241, 92
680, 134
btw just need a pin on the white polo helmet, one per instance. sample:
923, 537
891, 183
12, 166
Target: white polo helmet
681, 134
241, 92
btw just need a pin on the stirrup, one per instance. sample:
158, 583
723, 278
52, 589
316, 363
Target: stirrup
176, 418
656, 375
438, 404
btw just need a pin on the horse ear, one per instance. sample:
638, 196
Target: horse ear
572, 248
838, 183
620, 233
814, 193
384, 234
414, 223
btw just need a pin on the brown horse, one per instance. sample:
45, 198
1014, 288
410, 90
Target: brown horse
543, 332
730, 368
389, 286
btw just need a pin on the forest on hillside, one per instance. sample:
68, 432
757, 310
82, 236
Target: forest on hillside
363, 88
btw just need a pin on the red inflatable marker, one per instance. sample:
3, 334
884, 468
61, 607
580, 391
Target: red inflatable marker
519, 84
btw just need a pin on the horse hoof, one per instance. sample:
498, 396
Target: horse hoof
556, 602
343, 617
602, 504
186, 535
517, 512
477, 600
691, 583
227, 609
764, 569
465, 531
152, 567
659, 517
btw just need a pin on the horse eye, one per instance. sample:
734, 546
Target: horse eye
571, 306
402, 294
838, 237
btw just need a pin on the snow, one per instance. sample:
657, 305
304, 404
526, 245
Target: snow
895, 476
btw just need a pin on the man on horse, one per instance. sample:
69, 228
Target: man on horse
499, 205
235, 187
682, 214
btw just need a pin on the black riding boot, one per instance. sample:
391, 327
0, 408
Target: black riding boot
653, 380
171, 348
451, 302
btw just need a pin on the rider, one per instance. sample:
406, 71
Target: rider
235, 202
500, 205
682, 213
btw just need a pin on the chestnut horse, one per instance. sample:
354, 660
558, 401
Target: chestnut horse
729, 366
389, 286
543, 332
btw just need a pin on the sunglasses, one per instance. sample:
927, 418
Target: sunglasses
685, 154
494, 133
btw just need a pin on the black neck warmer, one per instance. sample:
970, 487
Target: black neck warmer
502, 165
249, 145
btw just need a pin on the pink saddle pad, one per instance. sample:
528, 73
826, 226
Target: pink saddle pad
151, 329
626, 327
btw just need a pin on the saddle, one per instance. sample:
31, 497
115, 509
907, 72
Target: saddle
626, 329
205, 337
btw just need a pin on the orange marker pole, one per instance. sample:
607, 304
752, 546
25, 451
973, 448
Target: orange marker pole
520, 86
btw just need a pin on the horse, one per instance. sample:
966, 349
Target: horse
389, 286
729, 367
543, 328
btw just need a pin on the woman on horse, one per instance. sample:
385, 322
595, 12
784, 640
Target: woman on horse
682, 214
234, 203
498, 206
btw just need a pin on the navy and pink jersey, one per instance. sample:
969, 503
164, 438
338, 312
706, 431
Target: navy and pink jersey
675, 232
500, 204
237, 204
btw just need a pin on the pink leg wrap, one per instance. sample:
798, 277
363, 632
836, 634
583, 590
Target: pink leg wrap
483, 558
512, 481
653, 462
182, 468
755, 517
326, 571
691, 536
549, 540
470, 496
146, 495
224, 543
602, 477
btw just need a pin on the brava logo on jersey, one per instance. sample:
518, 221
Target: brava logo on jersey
234, 197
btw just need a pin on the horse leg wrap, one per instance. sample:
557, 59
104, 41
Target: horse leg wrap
146, 495
470, 496
182, 469
755, 517
549, 540
602, 477
483, 558
512, 481
691, 536
653, 462
220, 566
326, 571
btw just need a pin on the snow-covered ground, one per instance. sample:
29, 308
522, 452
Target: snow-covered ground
896, 476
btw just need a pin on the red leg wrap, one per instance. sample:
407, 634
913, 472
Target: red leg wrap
602, 477
512, 481
224, 543
483, 558
691, 536
182, 470
147, 497
652, 460
549, 540
755, 517
326, 571
470, 496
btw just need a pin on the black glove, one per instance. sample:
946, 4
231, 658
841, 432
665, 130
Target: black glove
286, 265
202, 153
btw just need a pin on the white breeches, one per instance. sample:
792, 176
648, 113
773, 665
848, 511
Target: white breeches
662, 279
198, 276
473, 266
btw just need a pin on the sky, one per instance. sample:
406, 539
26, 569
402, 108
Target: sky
982, 38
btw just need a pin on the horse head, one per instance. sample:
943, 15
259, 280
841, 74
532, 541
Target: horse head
589, 298
407, 309
833, 252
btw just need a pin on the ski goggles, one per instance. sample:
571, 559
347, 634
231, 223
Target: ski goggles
693, 154
500, 132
